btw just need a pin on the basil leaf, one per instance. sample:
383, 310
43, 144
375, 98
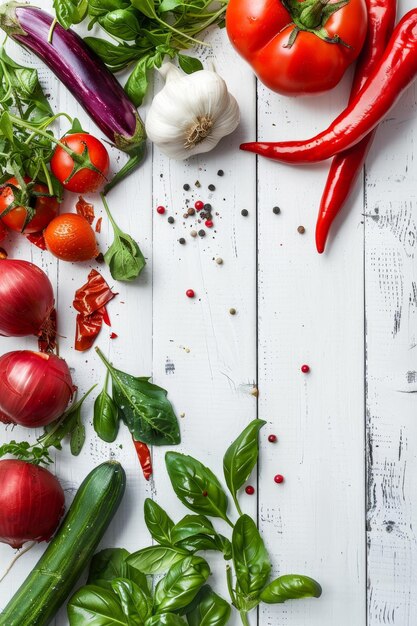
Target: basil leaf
77, 438
165, 619
241, 458
106, 416
211, 610
144, 407
189, 64
250, 558
181, 584
205, 542
137, 84
290, 587
192, 525
115, 57
6, 127
159, 524
169, 5
136, 604
121, 23
101, 7
124, 256
69, 12
147, 7
107, 565
95, 606
196, 485
156, 559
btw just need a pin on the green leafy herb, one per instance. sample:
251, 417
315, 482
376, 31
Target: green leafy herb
241, 458
156, 559
124, 257
69, 12
165, 619
159, 524
106, 416
95, 606
69, 424
211, 609
144, 407
181, 584
290, 587
135, 603
196, 485
145, 32
190, 526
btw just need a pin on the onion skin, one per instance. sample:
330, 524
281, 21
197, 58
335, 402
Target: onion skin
32, 503
35, 388
26, 298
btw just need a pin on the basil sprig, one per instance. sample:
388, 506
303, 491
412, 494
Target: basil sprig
182, 596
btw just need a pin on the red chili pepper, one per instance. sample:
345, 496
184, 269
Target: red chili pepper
144, 457
90, 301
346, 166
393, 74
37, 239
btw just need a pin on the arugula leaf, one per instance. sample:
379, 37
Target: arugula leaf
181, 584
159, 524
251, 561
144, 407
196, 486
189, 64
95, 606
290, 587
211, 610
156, 559
106, 416
124, 256
241, 458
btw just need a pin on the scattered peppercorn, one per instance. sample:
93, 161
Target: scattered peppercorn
181, 240
305, 369
220, 173
207, 207
219, 261
279, 479
209, 223
272, 438
212, 187
100, 258
244, 212
193, 233
160, 210
199, 205
191, 211
190, 293
232, 311
185, 215
301, 230
202, 233
250, 490
186, 187
276, 210
171, 220
197, 183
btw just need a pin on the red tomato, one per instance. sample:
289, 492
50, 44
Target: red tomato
45, 208
262, 31
87, 177
71, 238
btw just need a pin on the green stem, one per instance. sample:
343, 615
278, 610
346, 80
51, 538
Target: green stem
229, 580
244, 618
38, 131
237, 505
48, 178
133, 162
109, 215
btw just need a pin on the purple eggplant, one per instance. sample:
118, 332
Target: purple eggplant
83, 73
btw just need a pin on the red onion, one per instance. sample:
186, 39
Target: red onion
35, 388
31, 503
26, 299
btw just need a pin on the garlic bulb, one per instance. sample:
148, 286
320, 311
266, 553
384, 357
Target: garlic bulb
191, 113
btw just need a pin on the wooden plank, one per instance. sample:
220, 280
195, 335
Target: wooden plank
310, 312
390, 263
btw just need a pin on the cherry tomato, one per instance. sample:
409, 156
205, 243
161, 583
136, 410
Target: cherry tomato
3, 231
45, 208
85, 179
71, 238
285, 42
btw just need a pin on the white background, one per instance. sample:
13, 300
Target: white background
346, 512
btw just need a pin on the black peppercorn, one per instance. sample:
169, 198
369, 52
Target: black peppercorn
276, 210
181, 240
186, 187
171, 220
202, 233
220, 173
212, 187
244, 212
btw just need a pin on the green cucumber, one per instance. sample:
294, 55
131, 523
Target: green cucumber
53, 577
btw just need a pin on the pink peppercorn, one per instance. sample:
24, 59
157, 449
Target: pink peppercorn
250, 490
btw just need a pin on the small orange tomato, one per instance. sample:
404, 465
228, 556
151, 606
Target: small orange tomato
71, 238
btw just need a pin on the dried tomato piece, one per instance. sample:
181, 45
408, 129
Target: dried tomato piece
85, 209
144, 456
37, 239
47, 339
98, 225
90, 301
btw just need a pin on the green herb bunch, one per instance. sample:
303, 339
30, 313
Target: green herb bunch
144, 32
118, 589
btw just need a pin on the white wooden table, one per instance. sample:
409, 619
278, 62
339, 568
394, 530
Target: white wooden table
347, 431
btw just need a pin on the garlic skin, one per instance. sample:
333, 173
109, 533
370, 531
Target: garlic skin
191, 113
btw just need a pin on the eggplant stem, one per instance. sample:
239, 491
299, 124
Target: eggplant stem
51, 30
16, 557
